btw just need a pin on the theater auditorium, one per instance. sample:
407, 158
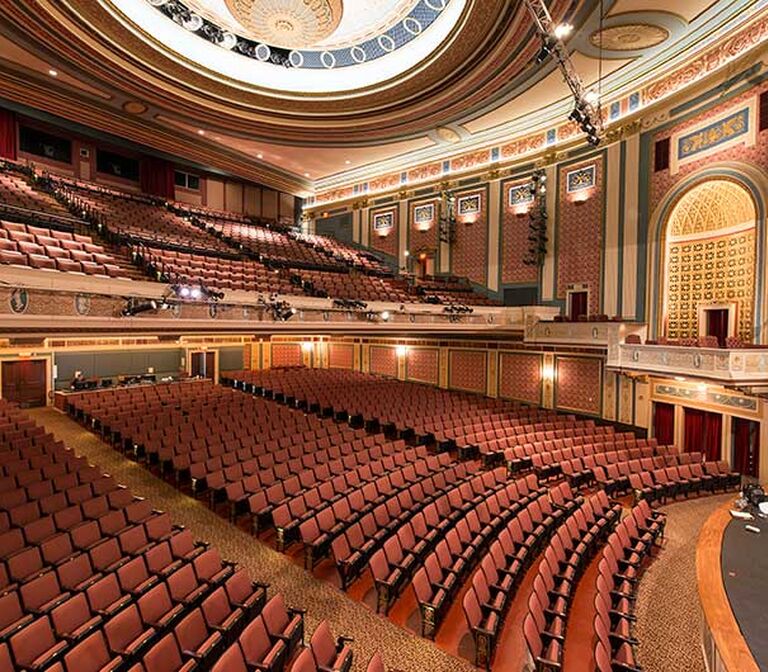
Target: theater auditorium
383, 335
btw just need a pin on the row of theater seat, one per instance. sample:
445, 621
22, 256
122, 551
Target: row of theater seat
463, 519
517, 509
93, 578
51, 249
619, 571
564, 560
319, 529
408, 515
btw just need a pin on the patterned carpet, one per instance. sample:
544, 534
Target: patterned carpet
669, 616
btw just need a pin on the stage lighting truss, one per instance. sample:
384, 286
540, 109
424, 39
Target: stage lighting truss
537, 224
587, 112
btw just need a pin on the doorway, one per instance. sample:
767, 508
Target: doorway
716, 321
24, 382
578, 304
203, 364
664, 423
745, 436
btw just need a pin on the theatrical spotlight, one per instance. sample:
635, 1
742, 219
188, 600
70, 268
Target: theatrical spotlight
136, 306
349, 304
281, 311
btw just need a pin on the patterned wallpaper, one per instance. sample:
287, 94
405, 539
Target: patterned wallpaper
469, 254
423, 239
579, 384
341, 355
514, 232
579, 233
286, 354
423, 365
467, 370
388, 243
520, 376
383, 360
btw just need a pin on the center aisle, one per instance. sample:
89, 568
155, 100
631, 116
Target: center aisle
401, 650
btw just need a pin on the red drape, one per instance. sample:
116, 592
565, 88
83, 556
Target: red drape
746, 446
8, 135
664, 424
157, 177
703, 433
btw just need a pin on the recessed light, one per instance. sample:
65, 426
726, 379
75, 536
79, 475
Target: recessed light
53, 73
306, 174
259, 156
347, 162
200, 131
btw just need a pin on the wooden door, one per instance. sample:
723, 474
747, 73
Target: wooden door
24, 382
746, 446
203, 364
578, 305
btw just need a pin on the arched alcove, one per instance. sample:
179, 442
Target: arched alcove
709, 246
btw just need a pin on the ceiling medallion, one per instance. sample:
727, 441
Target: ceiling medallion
134, 107
292, 24
629, 37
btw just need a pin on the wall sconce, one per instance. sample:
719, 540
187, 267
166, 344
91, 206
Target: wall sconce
547, 373
424, 226
470, 219
422, 256
401, 350
521, 210
701, 388
307, 346
406, 254
382, 233
580, 197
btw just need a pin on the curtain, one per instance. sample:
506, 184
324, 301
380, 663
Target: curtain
7, 135
703, 433
746, 446
664, 424
157, 177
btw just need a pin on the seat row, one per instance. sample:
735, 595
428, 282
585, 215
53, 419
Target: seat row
381, 499
563, 563
465, 522
619, 572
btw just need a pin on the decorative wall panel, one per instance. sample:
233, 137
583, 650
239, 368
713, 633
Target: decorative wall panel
383, 361
424, 225
469, 254
520, 377
708, 271
286, 354
467, 370
341, 355
423, 365
514, 232
579, 384
580, 231
384, 228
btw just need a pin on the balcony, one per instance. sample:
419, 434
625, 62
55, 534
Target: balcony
738, 366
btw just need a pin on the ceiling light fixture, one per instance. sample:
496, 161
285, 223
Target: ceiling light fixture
306, 174
53, 73
259, 156
200, 131
563, 30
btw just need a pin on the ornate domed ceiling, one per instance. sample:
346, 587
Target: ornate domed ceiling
320, 95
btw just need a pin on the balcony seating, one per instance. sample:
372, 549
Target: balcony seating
51, 249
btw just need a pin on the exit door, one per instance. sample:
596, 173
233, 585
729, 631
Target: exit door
203, 364
24, 382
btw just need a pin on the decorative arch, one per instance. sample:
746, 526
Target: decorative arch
695, 233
